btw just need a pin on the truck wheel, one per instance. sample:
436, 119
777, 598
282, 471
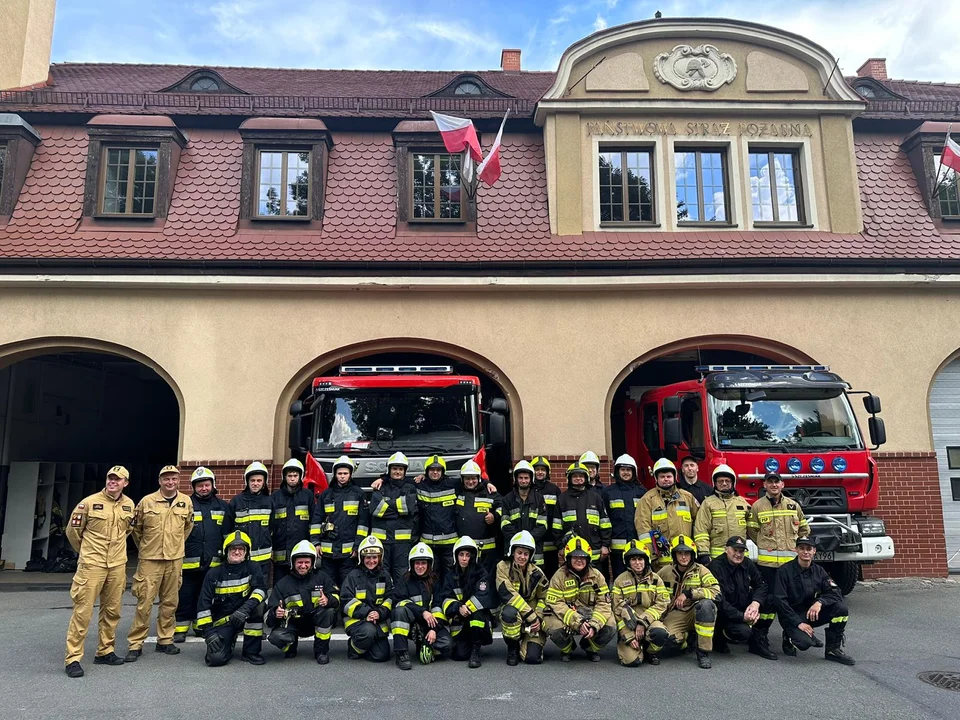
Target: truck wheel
844, 574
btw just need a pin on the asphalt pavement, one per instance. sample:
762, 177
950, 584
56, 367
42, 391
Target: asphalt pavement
897, 630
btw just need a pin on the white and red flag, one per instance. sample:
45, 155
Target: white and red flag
950, 157
458, 135
490, 170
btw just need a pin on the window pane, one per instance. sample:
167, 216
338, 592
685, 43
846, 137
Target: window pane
449, 186
760, 187
298, 183
3, 158
786, 180
144, 180
774, 186
953, 457
714, 192
115, 180
270, 193
688, 203
611, 187
423, 186
949, 197
639, 200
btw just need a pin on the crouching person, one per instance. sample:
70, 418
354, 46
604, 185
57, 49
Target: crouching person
522, 587
416, 614
367, 598
468, 600
578, 604
639, 601
231, 602
694, 593
303, 604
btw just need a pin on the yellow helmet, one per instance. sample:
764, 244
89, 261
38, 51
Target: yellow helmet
578, 467
236, 538
664, 465
435, 461
682, 542
576, 547
634, 549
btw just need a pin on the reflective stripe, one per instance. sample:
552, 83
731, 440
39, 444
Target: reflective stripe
703, 630
840, 619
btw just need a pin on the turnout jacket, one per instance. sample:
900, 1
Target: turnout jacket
528, 514
98, 529
697, 583
211, 523
740, 585
364, 591
302, 594
575, 599
437, 501
638, 600
345, 506
622, 500
413, 592
251, 513
394, 513
161, 527
471, 587
291, 519
525, 590
797, 588
720, 517
775, 527
228, 588
583, 511
472, 508
668, 512
551, 494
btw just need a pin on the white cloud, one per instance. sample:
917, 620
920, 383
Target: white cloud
599, 23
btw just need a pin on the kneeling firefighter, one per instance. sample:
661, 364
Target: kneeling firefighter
469, 599
303, 604
367, 598
639, 601
523, 589
416, 614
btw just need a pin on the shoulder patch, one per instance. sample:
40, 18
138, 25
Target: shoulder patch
76, 520
181, 504
482, 586
81, 506
128, 508
98, 506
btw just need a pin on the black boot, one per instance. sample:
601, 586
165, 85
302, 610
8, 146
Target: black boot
534, 654
760, 645
403, 660
474, 656
703, 660
788, 647
592, 655
720, 644
513, 652
834, 651
253, 658
73, 670
653, 659
179, 637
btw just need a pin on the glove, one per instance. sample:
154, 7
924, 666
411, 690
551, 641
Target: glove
214, 643
328, 531
238, 618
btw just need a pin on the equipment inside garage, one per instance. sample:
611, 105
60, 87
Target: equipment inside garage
65, 419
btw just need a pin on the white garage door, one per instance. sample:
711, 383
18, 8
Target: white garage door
945, 419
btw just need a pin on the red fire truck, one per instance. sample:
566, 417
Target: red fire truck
792, 419
371, 411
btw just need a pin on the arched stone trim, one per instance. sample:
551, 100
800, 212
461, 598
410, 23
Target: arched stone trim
331, 360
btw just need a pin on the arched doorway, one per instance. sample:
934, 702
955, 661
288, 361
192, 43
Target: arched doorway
945, 428
68, 412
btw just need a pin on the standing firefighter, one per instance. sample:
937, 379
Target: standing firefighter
468, 601
622, 498
395, 515
211, 523
250, 512
524, 509
161, 524
341, 520
303, 604
292, 511
722, 515
437, 500
231, 602
592, 463
578, 604
550, 493
416, 612
581, 510
367, 599
694, 593
98, 530
664, 513
478, 515
523, 590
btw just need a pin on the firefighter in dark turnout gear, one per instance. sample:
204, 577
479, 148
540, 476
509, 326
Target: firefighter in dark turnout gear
522, 587
303, 604
437, 500
743, 593
211, 523
581, 510
468, 601
292, 511
231, 602
395, 515
523, 509
250, 513
367, 600
416, 612
341, 520
622, 498
550, 493
639, 601
805, 598
478, 515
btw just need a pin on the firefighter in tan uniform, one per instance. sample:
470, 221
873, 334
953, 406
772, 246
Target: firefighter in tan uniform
98, 530
664, 513
722, 515
639, 601
161, 524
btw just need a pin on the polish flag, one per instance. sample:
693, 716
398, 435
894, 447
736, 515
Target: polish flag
458, 135
489, 170
950, 157
316, 478
481, 459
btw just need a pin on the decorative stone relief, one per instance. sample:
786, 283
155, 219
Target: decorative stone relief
695, 68
766, 73
620, 73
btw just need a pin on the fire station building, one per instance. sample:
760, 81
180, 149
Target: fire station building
182, 249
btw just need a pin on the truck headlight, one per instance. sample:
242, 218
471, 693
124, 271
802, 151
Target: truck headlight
872, 527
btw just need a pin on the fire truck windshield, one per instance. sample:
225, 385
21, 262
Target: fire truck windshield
782, 419
373, 422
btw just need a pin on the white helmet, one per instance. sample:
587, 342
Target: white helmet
370, 545
203, 473
255, 468
466, 543
420, 551
470, 468
522, 466
398, 458
301, 549
626, 460
589, 457
664, 464
344, 461
523, 539
723, 470
293, 464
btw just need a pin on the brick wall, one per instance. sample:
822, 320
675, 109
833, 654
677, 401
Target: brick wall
911, 507
229, 474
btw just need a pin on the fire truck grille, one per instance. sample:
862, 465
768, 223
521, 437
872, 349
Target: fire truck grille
819, 499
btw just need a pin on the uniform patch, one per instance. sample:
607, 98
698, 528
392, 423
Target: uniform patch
482, 586
128, 508
181, 504
80, 506
98, 506
76, 520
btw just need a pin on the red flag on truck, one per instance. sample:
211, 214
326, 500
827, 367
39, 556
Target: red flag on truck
481, 459
316, 478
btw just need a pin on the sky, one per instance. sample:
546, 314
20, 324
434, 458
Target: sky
916, 37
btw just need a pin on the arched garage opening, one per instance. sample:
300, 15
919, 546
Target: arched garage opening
400, 411
68, 412
945, 428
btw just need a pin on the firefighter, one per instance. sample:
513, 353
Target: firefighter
774, 523
578, 603
231, 602
416, 612
367, 601
524, 509
592, 462
468, 600
805, 598
395, 515
550, 493
581, 510
250, 513
622, 498
639, 601
98, 531
478, 515
694, 592
341, 520
211, 523
721, 515
437, 501
161, 524
690, 479
743, 593
292, 508
304, 603
664, 513
522, 587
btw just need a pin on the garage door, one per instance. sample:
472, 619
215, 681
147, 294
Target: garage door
945, 420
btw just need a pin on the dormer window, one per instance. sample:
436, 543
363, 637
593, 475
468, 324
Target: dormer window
205, 83
865, 91
17, 142
467, 85
203, 80
467, 88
